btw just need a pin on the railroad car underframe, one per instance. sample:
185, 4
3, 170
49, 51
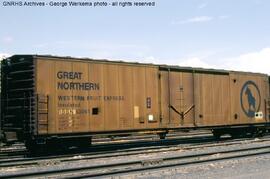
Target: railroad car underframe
48, 99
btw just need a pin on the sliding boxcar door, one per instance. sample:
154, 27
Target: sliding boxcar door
177, 98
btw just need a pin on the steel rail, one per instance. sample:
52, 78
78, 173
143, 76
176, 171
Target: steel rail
91, 156
142, 165
106, 153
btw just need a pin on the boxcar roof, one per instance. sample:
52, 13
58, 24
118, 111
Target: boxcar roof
160, 66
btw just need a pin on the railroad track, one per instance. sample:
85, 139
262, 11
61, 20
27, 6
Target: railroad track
109, 150
13, 154
14, 151
19, 150
165, 146
142, 147
124, 152
116, 168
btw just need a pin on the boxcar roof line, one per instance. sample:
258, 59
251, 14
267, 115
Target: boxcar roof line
163, 67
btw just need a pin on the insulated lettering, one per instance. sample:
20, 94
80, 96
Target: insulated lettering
70, 75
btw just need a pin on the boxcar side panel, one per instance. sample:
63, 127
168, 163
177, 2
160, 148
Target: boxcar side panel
187, 96
80, 119
235, 98
249, 94
111, 90
198, 90
181, 98
175, 98
152, 98
164, 95
91, 96
207, 98
211, 96
139, 93
220, 102
126, 90
44, 88
225, 99
64, 114
96, 122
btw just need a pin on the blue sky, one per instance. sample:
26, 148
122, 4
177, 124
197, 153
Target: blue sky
230, 34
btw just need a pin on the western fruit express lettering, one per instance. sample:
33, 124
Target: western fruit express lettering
74, 85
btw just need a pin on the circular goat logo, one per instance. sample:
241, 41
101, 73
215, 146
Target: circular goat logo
250, 98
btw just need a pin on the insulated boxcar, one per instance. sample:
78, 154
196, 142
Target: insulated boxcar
47, 98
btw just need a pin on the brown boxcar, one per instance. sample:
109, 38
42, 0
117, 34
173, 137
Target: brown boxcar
49, 98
